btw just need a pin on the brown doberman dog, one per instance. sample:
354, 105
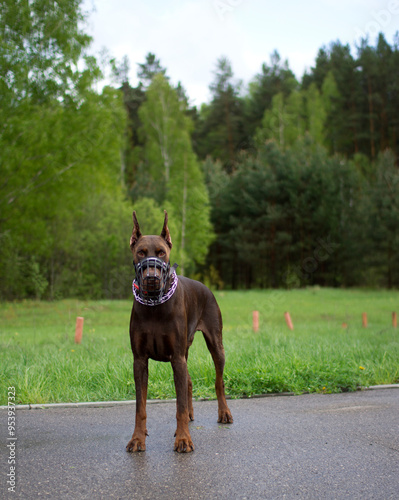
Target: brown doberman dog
167, 311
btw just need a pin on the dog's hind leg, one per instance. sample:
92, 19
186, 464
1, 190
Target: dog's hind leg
213, 339
190, 393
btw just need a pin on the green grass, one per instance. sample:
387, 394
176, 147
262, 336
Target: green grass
39, 358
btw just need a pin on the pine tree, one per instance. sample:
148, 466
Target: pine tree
221, 131
331, 98
148, 70
274, 79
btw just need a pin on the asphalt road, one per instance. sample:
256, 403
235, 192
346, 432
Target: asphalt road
310, 446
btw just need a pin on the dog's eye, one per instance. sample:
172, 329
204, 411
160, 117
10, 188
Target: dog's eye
141, 253
161, 253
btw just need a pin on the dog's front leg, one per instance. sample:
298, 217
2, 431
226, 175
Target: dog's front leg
183, 442
137, 443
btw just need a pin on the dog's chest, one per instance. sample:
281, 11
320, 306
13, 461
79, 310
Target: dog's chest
157, 340
160, 347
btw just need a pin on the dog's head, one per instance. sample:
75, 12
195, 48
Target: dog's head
151, 257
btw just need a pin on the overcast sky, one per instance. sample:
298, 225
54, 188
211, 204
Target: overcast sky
188, 36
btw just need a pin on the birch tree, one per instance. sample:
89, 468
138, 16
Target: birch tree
175, 172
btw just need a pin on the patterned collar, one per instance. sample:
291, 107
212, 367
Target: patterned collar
150, 301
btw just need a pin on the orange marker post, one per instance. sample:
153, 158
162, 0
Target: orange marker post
288, 320
255, 321
394, 320
364, 320
79, 330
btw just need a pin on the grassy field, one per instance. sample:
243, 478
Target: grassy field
39, 358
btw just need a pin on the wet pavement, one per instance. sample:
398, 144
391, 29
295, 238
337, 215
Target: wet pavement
310, 446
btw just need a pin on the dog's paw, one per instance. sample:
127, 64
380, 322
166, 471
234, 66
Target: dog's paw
225, 417
135, 444
183, 444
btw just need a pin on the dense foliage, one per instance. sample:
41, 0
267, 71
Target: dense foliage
287, 184
302, 176
62, 212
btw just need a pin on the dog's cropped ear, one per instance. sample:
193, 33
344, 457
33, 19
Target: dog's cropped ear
165, 231
136, 231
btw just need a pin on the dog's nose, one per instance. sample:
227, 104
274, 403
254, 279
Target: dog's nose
151, 271
151, 283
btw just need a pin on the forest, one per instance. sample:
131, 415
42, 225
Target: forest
281, 183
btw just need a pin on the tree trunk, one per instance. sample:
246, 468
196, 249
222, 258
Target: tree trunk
371, 118
230, 135
184, 216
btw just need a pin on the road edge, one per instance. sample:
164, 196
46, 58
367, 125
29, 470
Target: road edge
107, 404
